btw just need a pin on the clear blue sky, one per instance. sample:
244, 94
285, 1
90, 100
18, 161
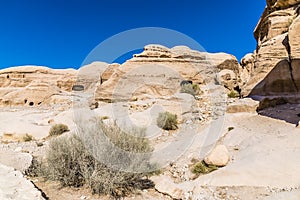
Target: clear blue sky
61, 33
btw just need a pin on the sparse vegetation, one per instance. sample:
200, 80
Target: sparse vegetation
104, 117
233, 94
202, 168
192, 89
27, 138
58, 129
230, 128
167, 121
70, 160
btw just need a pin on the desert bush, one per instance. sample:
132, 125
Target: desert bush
233, 94
192, 89
27, 138
202, 168
167, 121
84, 159
58, 129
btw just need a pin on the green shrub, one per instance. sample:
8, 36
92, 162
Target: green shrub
233, 94
167, 121
70, 160
58, 129
202, 168
192, 89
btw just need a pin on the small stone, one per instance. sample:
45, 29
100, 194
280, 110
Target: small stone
18, 149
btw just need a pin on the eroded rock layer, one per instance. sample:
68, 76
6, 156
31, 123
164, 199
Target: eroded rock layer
158, 71
276, 66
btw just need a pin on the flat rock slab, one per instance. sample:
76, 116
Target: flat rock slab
13, 185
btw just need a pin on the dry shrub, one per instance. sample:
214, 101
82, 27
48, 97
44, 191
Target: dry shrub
167, 121
192, 89
58, 129
70, 159
27, 138
203, 168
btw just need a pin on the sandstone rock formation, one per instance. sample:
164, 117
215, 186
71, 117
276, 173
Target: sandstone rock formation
158, 71
276, 66
32, 85
35, 85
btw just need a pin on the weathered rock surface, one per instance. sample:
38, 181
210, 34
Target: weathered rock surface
276, 60
159, 70
13, 185
32, 85
243, 105
35, 85
218, 157
165, 185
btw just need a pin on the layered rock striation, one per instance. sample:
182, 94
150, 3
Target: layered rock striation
275, 67
158, 71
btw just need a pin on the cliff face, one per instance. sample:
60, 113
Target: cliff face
275, 67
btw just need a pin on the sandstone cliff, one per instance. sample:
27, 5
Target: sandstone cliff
274, 68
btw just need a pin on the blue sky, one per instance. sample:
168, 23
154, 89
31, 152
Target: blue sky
61, 33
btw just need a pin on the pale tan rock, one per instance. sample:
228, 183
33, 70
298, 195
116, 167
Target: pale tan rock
13, 185
247, 64
109, 71
228, 78
33, 85
275, 70
159, 70
294, 38
281, 3
243, 105
218, 157
165, 185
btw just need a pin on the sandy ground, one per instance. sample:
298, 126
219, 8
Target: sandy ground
33, 121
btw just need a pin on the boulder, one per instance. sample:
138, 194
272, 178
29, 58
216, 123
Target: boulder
243, 105
219, 156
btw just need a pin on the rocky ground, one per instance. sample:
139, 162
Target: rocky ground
263, 164
253, 141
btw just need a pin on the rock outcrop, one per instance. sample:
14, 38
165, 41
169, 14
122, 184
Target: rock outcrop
276, 66
35, 85
158, 71
32, 85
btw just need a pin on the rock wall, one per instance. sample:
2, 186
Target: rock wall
275, 69
158, 71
